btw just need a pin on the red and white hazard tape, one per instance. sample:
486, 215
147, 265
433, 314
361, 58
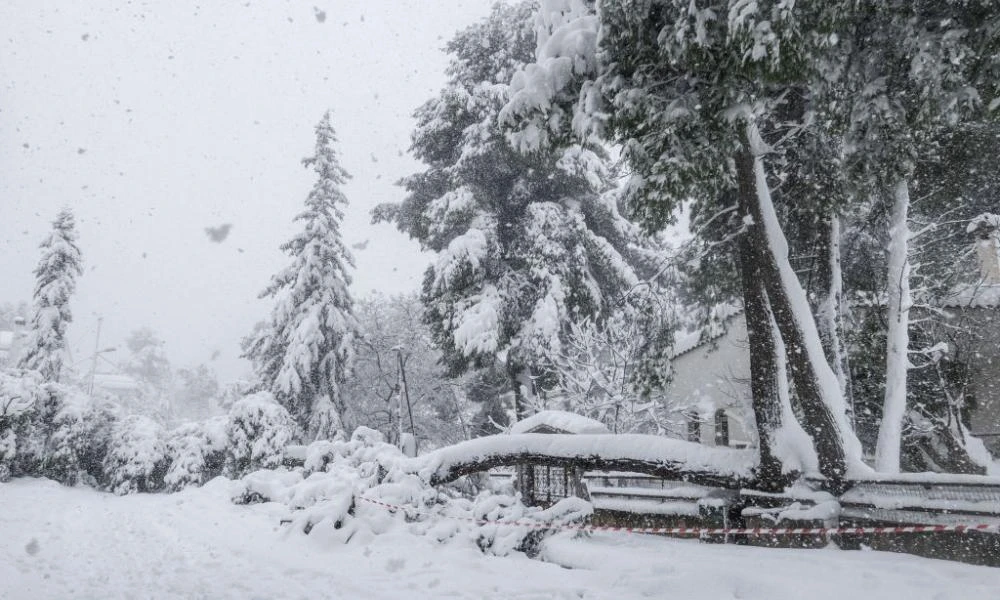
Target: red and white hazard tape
699, 531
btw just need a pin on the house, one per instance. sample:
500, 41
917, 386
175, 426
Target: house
977, 307
712, 367
123, 389
711, 380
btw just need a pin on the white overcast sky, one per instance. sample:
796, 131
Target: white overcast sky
153, 120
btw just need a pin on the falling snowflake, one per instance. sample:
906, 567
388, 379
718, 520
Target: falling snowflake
218, 234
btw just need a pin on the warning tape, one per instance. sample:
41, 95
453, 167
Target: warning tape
822, 531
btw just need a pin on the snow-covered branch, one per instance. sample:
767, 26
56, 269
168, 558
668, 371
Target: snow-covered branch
636, 453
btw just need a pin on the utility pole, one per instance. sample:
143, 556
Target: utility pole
404, 393
97, 351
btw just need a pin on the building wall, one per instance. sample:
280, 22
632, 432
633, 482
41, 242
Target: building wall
711, 377
983, 355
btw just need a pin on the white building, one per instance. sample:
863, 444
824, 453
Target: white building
711, 376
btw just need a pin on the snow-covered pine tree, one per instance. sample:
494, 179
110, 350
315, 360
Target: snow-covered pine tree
526, 242
690, 91
55, 281
304, 354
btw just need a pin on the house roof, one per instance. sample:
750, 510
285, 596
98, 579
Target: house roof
6, 339
691, 340
561, 420
115, 382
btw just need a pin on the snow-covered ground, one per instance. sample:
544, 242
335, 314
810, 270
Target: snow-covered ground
58, 542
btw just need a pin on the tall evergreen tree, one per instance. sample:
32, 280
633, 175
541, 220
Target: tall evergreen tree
527, 242
304, 354
700, 96
55, 278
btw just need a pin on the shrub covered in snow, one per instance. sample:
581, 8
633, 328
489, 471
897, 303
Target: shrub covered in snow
78, 435
197, 453
258, 430
21, 393
342, 493
501, 522
137, 457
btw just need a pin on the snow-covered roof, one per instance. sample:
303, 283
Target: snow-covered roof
6, 339
562, 420
690, 340
974, 296
115, 381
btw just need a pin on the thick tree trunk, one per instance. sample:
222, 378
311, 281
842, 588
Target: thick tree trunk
340, 410
829, 308
890, 431
765, 401
517, 376
797, 450
823, 408
632, 453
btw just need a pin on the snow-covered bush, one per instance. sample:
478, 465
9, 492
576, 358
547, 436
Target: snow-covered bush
21, 393
322, 498
197, 453
78, 435
342, 494
495, 537
258, 430
137, 456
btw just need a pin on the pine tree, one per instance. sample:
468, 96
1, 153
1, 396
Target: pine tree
526, 242
304, 354
55, 277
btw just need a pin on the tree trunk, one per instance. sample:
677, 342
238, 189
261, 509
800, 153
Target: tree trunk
633, 453
763, 371
829, 309
890, 431
823, 408
520, 381
340, 409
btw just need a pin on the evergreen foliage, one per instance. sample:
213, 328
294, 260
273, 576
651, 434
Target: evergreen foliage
55, 281
258, 430
304, 354
526, 243
137, 458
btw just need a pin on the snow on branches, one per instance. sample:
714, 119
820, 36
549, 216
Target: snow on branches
55, 281
304, 354
528, 240
258, 430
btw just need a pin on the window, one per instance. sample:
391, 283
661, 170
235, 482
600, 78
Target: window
694, 428
721, 428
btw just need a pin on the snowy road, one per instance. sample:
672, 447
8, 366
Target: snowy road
58, 542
